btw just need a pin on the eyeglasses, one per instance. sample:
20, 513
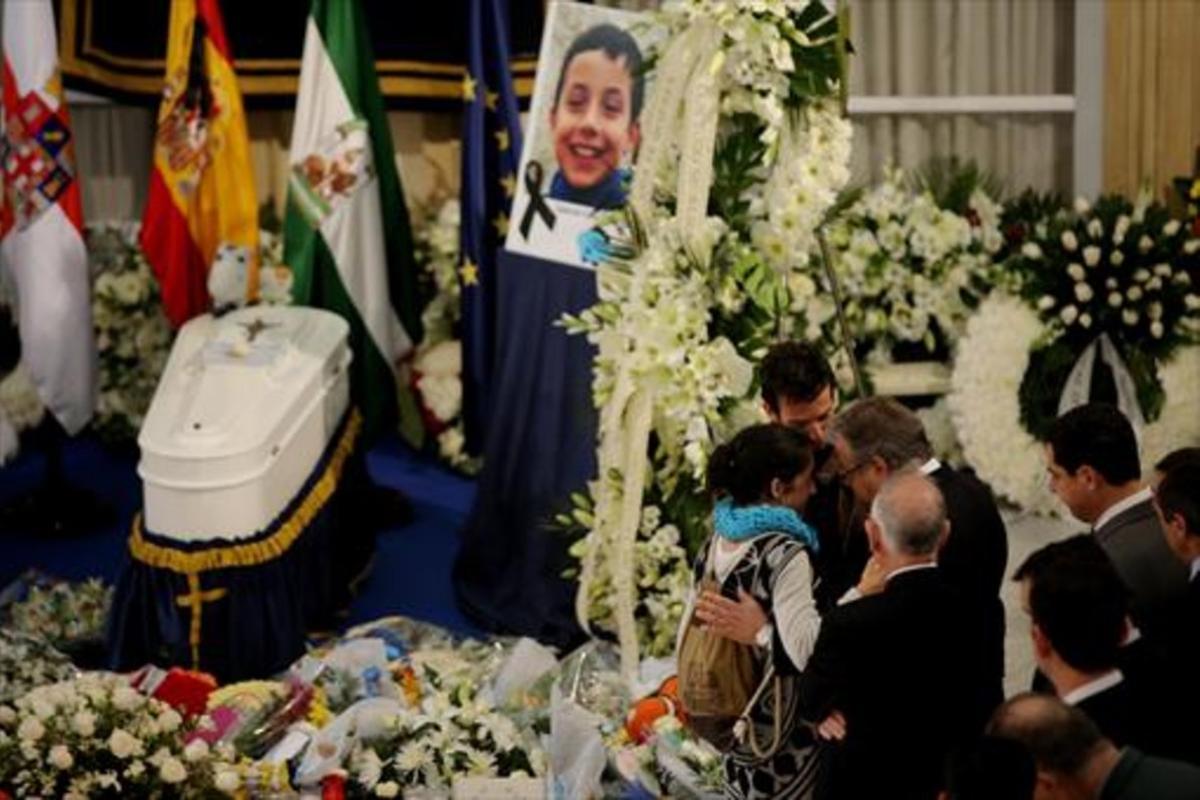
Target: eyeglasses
844, 474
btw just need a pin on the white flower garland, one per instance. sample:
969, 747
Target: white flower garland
985, 404
659, 369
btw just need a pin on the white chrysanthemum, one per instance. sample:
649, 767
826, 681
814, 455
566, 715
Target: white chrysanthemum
984, 401
227, 781
31, 729
60, 757
387, 789
123, 745
1069, 241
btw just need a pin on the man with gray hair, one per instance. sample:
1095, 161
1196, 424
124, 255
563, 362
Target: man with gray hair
1076, 762
894, 676
877, 436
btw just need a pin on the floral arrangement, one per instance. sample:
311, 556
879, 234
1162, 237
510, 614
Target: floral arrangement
745, 151
911, 270
63, 613
95, 736
663, 578
20, 409
26, 662
1118, 272
452, 734
437, 366
133, 337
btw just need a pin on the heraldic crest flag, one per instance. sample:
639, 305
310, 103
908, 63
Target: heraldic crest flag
202, 188
41, 219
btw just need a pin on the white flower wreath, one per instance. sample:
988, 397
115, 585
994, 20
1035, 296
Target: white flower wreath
985, 403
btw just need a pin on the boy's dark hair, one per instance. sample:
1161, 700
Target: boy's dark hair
616, 44
991, 768
1179, 493
795, 370
1078, 600
1098, 435
1183, 457
744, 467
1060, 737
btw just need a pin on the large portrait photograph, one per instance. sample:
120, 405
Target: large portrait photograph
583, 133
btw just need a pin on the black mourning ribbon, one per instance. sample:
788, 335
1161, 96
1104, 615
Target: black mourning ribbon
537, 202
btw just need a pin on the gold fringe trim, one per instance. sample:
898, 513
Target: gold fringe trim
251, 554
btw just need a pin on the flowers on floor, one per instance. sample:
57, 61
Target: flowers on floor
27, 662
61, 612
96, 736
450, 735
744, 122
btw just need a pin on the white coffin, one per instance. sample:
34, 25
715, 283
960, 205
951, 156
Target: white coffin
244, 410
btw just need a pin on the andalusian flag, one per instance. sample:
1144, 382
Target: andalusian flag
202, 188
346, 234
41, 219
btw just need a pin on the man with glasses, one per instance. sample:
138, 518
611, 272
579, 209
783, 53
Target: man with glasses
876, 437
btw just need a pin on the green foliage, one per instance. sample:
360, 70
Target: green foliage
737, 166
952, 181
819, 72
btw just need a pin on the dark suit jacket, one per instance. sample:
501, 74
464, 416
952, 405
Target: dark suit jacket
904, 668
1140, 777
1122, 714
1156, 580
974, 560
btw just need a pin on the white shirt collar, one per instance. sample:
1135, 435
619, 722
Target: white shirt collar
1094, 687
931, 466
1140, 496
1195, 569
910, 568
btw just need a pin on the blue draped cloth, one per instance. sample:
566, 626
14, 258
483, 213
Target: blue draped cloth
540, 447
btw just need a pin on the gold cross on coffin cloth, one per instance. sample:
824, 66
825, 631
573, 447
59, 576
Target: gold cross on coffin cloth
194, 600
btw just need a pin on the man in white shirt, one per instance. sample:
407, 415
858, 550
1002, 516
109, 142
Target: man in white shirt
1093, 466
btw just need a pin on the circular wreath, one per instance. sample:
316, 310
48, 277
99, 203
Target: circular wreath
993, 357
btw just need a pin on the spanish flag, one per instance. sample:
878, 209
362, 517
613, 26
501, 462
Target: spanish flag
202, 189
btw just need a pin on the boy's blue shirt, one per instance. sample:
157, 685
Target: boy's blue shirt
607, 194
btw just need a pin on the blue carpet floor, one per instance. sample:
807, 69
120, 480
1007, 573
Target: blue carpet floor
411, 575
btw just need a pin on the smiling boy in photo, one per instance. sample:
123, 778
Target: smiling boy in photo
594, 119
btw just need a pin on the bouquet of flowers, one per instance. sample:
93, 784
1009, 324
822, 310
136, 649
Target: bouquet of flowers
96, 736
1123, 270
61, 612
133, 337
453, 733
26, 662
911, 270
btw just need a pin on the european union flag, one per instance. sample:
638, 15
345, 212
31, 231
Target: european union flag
491, 153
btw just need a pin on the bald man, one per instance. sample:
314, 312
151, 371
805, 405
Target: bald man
894, 676
1076, 762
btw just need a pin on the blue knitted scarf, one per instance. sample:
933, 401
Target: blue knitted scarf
739, 523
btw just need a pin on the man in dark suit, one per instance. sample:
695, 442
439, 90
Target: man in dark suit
877, 436
1075, 760
1078, 610
1093, 464
1178, 503
893, 676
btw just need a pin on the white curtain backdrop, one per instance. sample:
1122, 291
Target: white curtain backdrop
965, 47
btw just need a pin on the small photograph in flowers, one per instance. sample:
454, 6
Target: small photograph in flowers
584, 131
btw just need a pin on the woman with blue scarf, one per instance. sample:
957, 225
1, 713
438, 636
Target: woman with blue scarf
760, 481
